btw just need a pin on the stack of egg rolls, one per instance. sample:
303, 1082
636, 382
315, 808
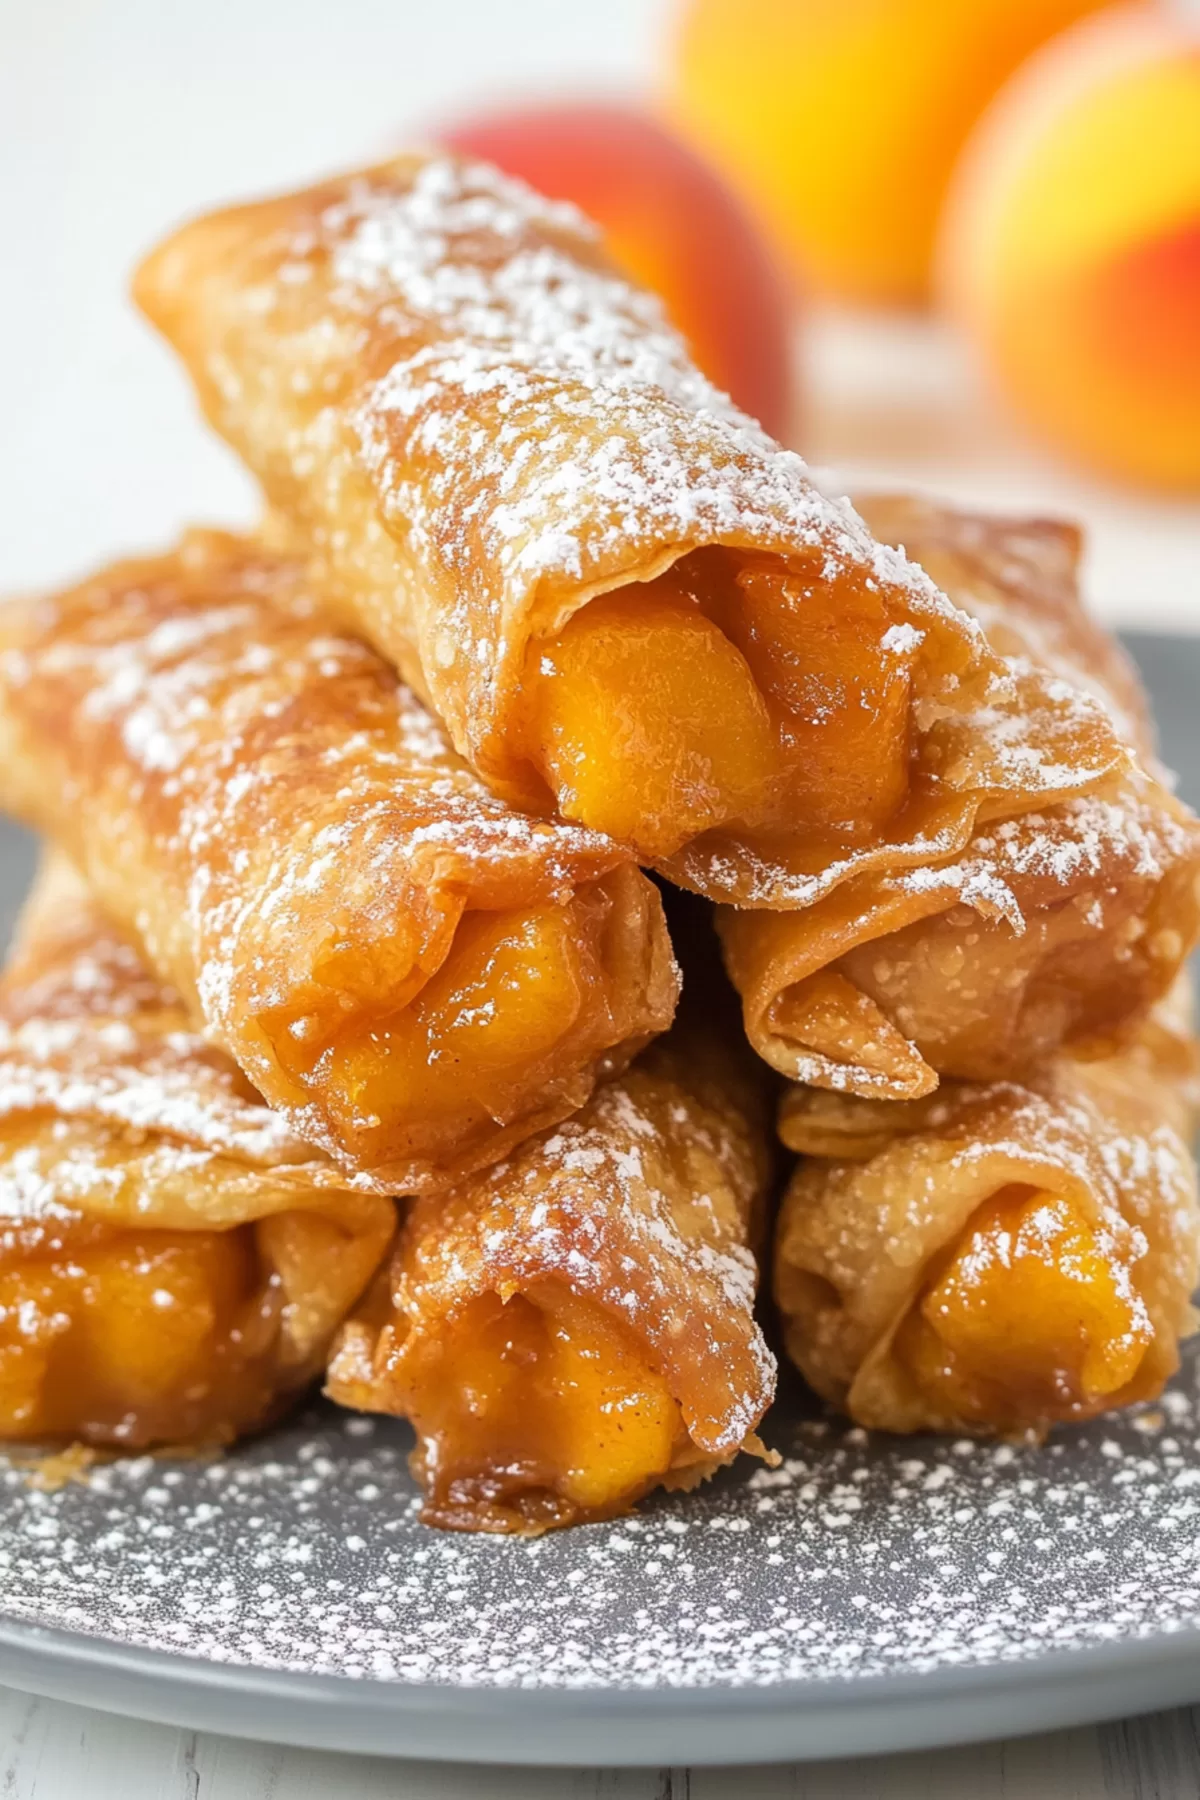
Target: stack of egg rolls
342, 1025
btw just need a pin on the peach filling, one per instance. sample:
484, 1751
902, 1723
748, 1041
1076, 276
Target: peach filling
537, 1411
1032, 1320
726, 691
135, 1338
476, 1037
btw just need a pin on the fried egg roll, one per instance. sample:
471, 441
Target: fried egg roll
619, 594
1054, 928
173, 1259
996, 1258
412, 973
575, 1326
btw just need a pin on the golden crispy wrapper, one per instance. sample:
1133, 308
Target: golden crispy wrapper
413, 974
1054, 928
996, 1258
1019, 579
618, 593
173, 1260
575, 1326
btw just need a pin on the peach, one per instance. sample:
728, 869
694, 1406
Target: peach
672, 225
1070, 249
840, 120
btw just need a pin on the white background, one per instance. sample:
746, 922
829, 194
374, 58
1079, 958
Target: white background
119, 117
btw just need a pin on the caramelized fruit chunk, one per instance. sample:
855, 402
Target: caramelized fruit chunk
33, 1317
727, 691
535, 1412
510, 990
838, 679
646, 721
1034, 1318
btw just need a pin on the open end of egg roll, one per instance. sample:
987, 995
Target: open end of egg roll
129, 1335
1055, 930
497, 1039
1033, 1315
731, 690
1053, 927
538, 1411
996, 1259
575, 1327
132, 1336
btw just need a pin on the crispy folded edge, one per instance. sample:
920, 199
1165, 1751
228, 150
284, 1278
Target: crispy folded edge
1054, 930
138, 1123
1019, 579
885, 1187
645, 1206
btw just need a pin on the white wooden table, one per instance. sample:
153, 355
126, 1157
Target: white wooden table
49, 1751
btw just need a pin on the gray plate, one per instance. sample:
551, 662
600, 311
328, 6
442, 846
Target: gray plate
871, 1594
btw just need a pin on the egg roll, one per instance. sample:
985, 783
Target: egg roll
619, 594
414, 975
173, 1259
1000, 1257
1054, 928
575, 1326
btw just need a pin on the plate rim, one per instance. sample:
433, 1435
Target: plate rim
797, 1719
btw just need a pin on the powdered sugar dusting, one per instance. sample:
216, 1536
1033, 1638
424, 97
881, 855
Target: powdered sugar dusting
1037, 858
1018, 577
431, 345
119, 1098
475, 426
521, 309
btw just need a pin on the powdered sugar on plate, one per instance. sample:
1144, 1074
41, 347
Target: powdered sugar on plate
858, 1556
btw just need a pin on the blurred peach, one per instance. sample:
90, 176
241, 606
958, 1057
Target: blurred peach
672, 225
1071, 245
841, 119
